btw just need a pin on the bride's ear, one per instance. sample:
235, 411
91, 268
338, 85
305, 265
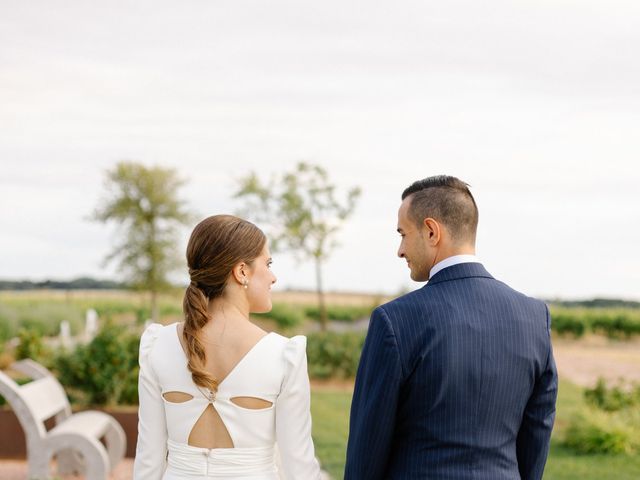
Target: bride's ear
240, 273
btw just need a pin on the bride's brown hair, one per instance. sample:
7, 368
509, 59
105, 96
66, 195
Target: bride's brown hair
216, 245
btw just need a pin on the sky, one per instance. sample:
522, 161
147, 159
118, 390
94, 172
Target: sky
536, 104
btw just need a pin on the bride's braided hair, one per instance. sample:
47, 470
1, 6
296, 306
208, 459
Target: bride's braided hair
216, 245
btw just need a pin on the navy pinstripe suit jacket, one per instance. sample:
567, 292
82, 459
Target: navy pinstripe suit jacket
456, 381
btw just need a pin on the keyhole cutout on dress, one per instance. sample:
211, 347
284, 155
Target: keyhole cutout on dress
210, 431
177, 397
251, 403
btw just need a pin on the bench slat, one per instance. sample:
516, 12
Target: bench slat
45, 397
90, 423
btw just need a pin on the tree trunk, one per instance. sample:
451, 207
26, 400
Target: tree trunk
320, 290
153, 279
154, 306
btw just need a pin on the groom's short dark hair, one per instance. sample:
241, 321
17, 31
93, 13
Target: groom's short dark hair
448, 200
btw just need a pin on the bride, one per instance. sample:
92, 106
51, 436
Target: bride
217, 393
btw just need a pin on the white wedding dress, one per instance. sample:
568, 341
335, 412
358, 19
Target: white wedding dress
274, 370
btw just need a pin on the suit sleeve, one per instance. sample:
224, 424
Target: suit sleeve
375, 399
532, 445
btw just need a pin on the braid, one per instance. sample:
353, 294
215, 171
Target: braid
196, 316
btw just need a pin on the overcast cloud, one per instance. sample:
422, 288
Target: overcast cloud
535, 103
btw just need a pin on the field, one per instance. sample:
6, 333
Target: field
581, 359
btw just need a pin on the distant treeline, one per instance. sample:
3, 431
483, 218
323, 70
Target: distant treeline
595, 303
82, 283
88, 283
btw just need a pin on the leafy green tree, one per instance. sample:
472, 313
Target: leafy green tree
143, 201
304, 212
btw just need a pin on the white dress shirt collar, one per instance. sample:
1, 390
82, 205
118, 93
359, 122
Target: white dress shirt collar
450, 261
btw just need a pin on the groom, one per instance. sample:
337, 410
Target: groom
457, 379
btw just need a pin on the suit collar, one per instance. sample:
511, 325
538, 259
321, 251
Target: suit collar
460, 270
452, 260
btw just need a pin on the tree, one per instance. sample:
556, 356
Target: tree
304, 214
143, 201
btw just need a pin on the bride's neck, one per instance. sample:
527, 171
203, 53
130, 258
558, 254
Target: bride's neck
230, 307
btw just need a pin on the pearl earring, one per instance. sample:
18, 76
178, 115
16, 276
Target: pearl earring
245, 284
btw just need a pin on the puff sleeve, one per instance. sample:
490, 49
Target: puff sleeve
151, 450
293, 416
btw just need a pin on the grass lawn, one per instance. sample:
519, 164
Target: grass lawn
330, 410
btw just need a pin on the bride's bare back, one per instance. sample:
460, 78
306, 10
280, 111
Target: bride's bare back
221, 359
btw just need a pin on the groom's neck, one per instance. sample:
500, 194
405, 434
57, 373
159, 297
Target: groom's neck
453, 250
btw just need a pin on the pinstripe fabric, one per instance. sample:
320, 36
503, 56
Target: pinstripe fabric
456, 381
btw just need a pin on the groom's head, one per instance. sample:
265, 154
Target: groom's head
438, 218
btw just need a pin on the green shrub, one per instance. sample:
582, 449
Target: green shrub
615, 324
611, 424
568, 323
103, 372
333, 354
595, 431
129, 389
285, 315
618, 324
612, 399
32, 346
344, 313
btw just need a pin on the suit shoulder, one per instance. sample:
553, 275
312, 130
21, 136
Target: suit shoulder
404, 302
524, 297
536, 307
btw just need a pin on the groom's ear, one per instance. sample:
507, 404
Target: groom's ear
433, 230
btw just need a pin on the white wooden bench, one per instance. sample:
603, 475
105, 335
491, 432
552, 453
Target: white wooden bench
75, 440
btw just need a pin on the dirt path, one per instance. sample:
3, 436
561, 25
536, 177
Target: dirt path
583, 361
17, 470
